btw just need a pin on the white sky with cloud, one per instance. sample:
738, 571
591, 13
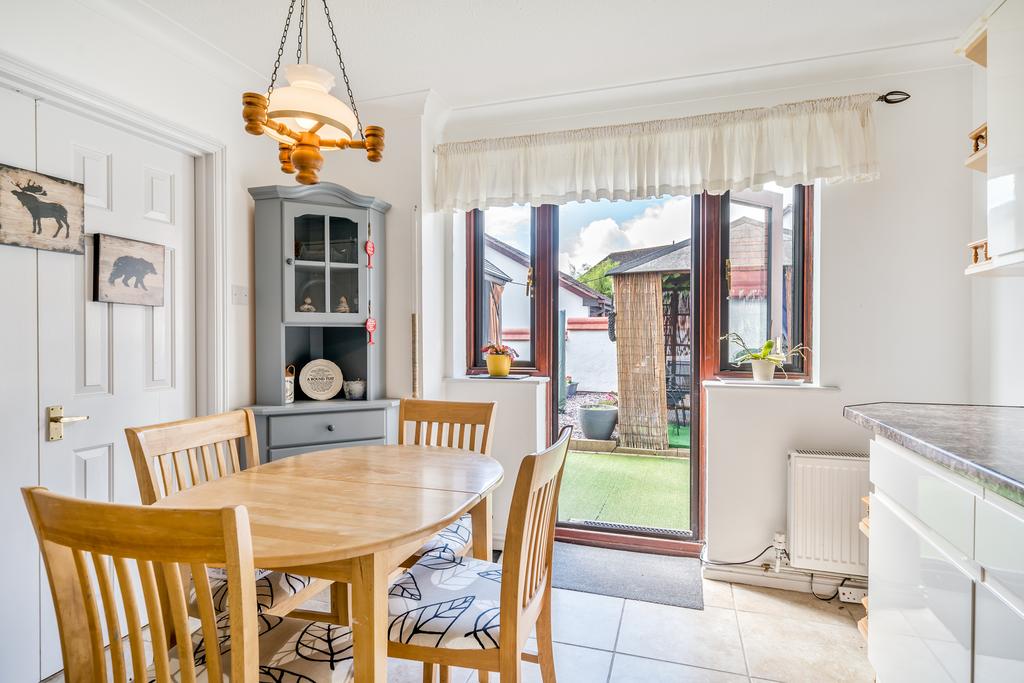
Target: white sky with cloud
660, 224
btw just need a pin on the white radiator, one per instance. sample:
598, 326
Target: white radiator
825, 491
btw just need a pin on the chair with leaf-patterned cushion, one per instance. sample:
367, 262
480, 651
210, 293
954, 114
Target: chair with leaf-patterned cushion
100, 556
173, 456
448, 424
450, 610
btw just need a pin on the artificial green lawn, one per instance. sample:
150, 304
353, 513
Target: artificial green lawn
625, 489
678, 435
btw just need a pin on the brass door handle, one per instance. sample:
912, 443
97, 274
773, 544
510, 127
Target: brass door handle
57, 419
71, 418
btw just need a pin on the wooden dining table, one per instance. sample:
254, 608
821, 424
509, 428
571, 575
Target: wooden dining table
354, 515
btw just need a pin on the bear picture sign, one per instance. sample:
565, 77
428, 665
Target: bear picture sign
39, 211
128, 271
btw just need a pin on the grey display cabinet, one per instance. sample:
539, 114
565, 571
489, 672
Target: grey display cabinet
314, 290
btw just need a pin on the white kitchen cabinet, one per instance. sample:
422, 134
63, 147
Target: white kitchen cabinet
998, 637
945, 574
921, 602
996, 41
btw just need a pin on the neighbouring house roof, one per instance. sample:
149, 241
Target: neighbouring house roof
494, 272
621, 257
590, 296
669, 258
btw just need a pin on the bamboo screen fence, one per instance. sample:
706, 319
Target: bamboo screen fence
640, 353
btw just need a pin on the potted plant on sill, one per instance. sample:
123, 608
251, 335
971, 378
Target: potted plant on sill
499, 358
764, 360
598, 420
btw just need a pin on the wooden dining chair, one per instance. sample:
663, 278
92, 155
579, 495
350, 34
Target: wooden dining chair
447, 424
459, 611
99, 556
173, 456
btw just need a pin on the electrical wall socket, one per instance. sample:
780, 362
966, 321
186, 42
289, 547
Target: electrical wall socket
852, 594
239, 295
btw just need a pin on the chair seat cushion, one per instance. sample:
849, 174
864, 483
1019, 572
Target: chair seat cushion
271, 588
292, 650
456, 537
446, 601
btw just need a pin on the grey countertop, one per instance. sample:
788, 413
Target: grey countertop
983, 443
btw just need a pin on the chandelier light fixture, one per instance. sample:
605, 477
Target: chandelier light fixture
304, 117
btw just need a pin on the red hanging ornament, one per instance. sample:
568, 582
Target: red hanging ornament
369, 247
371, 326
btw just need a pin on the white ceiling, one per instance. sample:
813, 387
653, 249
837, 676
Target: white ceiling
474, 52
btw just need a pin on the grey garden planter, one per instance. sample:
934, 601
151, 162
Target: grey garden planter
598, 422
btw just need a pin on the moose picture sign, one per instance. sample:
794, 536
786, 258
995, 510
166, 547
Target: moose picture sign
41, 212
128, 271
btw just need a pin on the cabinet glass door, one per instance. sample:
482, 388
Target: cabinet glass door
344, 265
325, 278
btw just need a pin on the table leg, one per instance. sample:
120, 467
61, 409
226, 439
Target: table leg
482, 514
369, 619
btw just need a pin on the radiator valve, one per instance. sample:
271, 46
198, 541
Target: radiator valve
779, 544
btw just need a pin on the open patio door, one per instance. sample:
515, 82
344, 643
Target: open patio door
626, 368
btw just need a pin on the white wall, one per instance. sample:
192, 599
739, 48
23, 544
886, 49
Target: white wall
520, 428
590, 360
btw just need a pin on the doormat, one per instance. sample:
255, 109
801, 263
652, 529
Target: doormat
662, 579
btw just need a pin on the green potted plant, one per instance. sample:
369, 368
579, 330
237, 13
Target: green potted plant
598, 420
570, 386
499, 358
765, 359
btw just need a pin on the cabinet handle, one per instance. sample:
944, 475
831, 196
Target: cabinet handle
290, 261
330, 428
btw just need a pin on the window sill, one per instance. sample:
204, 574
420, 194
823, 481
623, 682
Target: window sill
477, 379
806, 386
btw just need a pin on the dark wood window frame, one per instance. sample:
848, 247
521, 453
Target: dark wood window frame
714, 222
544, 237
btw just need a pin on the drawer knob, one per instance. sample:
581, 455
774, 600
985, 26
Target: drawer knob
330, 428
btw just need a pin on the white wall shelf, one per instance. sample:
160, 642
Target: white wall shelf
1007, 265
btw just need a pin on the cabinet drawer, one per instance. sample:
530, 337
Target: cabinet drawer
921, 603
999, 545
320, 428
928, 492
278, 453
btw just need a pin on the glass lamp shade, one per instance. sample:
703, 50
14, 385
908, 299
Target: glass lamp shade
307, 101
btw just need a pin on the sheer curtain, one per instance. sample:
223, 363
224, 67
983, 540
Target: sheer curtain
831, 138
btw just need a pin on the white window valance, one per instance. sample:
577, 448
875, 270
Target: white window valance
831, 139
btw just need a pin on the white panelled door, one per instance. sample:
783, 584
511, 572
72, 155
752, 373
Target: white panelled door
120, 365
19, 445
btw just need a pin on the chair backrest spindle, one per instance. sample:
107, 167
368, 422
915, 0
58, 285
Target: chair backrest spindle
447, 424
178, 455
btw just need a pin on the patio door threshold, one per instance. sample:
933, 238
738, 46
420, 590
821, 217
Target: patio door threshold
616, 536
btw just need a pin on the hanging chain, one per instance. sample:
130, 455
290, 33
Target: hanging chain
344, 74
302, 25
280, 49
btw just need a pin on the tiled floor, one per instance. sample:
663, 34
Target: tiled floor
744, 633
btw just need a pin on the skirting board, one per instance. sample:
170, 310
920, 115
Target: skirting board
786, 579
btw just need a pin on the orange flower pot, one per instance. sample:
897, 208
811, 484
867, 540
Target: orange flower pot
498, 365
